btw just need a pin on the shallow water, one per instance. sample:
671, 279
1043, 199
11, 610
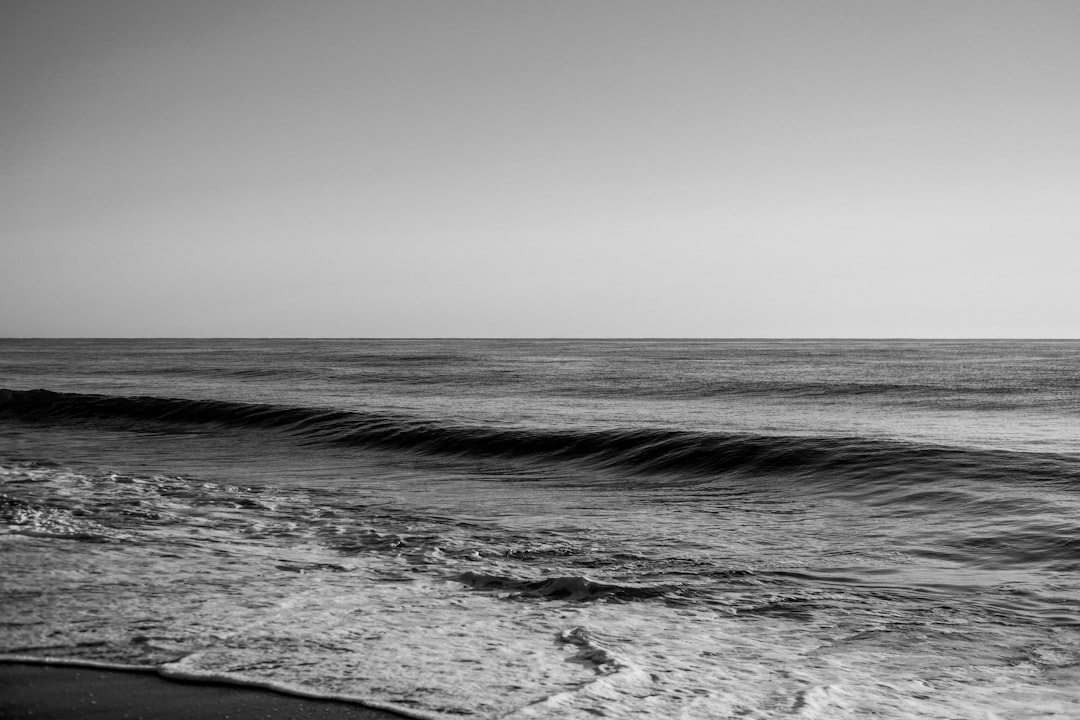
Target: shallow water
556, 529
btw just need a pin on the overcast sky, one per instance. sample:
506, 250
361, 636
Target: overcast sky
572, 168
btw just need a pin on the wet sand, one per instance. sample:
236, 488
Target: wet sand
49, 692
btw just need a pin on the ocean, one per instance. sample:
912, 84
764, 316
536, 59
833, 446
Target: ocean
554, 529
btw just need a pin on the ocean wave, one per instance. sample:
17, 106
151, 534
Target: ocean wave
850, 461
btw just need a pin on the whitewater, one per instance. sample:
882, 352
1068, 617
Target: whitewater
554, 529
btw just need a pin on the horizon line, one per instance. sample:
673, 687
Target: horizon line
642, 338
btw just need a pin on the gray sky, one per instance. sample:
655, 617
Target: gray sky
572, 168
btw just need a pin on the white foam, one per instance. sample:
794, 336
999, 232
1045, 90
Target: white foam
54, 523
615, 680
179, 671
210, 590
74, 662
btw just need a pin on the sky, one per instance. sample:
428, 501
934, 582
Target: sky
553, 168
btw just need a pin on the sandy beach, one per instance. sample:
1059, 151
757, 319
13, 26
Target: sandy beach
47, 692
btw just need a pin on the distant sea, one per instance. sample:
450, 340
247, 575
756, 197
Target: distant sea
555, 529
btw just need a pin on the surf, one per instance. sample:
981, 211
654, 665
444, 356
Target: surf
839, 461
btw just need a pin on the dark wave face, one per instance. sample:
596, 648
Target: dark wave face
855, 463
1011, 395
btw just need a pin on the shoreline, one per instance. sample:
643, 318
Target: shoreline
62, 691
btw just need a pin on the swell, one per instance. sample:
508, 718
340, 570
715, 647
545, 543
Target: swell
848, 460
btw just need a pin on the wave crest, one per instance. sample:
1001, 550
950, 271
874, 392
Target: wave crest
842, 460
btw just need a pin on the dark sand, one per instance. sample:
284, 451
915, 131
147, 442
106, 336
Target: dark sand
49, 692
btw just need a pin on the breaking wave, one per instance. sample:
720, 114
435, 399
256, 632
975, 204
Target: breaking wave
843, 460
